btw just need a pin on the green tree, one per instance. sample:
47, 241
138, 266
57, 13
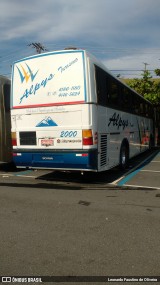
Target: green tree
147, 87
157, 72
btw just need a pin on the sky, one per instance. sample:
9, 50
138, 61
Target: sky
123, 34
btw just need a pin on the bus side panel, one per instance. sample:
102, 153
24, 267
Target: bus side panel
109, 139
114, 126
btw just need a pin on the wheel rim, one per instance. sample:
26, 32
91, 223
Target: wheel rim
123, 157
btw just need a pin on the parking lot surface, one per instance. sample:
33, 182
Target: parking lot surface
61, 224
143, 171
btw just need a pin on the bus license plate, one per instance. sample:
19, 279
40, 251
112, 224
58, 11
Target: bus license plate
47, 142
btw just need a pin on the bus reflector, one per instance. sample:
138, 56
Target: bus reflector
16, 154
82, 154
87, 137
14, 139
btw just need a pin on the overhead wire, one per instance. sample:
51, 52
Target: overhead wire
10, 57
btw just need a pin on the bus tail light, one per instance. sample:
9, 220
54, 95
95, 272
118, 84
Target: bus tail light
87, 137
14, 139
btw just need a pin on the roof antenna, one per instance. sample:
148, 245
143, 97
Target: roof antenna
74, 48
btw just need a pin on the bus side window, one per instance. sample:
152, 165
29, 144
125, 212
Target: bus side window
126, 99
6, 94
146, 113
142, 108
150, 111
113, 96
135, 104
101, 86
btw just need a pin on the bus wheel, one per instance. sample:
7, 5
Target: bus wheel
151, 142
124, 155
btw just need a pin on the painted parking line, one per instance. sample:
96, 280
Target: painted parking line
21, 174
24, 173
139, 186
6, 175
145, 170
130, 174
129, 177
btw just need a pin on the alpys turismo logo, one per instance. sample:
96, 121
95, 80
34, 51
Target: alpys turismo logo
26, 73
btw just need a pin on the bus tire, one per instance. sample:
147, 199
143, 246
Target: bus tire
151, 141
124, 155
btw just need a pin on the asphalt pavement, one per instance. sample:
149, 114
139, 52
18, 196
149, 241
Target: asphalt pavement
50, 231
54, 224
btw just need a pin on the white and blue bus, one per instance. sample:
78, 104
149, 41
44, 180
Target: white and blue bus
70, 113
5, 120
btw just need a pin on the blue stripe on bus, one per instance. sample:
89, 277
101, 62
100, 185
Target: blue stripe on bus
75, 160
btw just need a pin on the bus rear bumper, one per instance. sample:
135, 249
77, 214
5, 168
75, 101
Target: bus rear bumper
69, 160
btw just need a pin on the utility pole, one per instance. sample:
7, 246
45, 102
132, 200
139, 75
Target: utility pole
145, 65
38, 46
